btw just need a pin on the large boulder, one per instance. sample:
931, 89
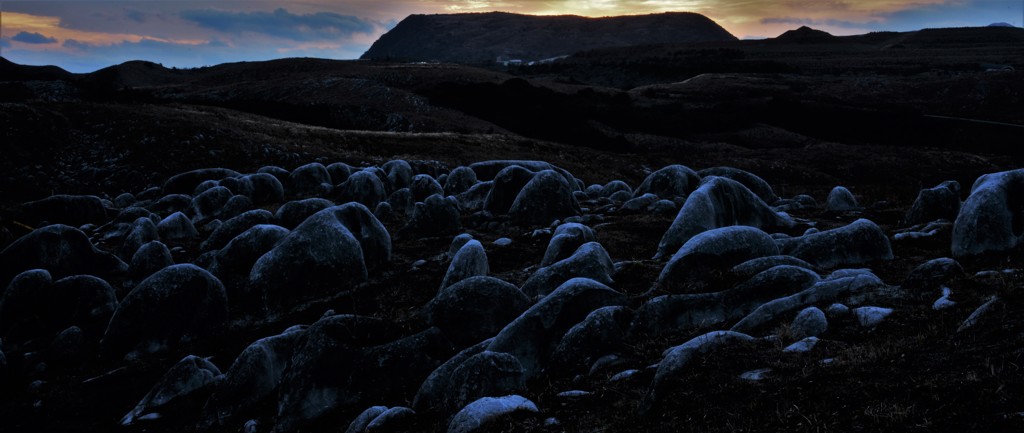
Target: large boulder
486, 374
932, 274
80, 300
363, 187
810, 322
460, 180
263, 188
401, 202
678, 313
280, 173
476, 416
233, 227
602, 332
235, 206
589, 261
669, 182
61, 250
209, 204
826, 291
640, 203
719, 202
475, 308
435, 216
857, 243
714, 250
679, 357
505, 188
566, 239
399, 173
545, 198
253, 377
469, 261
940, 202
150, 258
333, 249
754, 183
306, 180
33, 306
185, 183
233, 263
536, 333
315, 380
840, 199
749, 268
339, 172
73, 210
293, 213
189, 376
178, 303
436, 386
474, 198
423, 186
488, 170
171, 203
360, 424
616, 186
142, 231
176, 228
345, 365
992, 218
21, 304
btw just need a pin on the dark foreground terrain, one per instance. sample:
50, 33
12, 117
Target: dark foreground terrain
303, 315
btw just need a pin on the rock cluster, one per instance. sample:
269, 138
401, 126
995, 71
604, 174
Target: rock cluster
142, 277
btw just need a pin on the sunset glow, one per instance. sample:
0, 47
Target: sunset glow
85, 35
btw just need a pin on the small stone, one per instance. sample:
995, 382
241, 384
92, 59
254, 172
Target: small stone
869, 317
755, 375
810, 322
573, 394
805, 345
944, 302
837, 310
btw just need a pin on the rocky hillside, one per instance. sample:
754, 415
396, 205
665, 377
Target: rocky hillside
415, 296
281, 247
487, 38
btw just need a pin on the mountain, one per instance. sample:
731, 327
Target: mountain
1001, 25
487, 37
806, 34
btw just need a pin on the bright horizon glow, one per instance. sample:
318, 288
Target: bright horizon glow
85, 35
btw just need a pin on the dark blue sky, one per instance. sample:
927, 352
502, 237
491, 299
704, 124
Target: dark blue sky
85, 35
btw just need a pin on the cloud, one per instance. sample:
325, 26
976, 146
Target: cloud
822, 22
282, 24
83, 56
135, 15
33, 38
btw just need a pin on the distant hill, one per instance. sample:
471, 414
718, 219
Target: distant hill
485, 38
965, 36
806, 34
1001, 25
10, 71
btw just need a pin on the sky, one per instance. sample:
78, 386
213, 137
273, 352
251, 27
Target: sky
85, 35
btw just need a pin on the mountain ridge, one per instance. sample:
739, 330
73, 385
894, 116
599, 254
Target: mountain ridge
486, 38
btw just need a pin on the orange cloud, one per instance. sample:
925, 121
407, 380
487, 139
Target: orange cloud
741, 17
51, 27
